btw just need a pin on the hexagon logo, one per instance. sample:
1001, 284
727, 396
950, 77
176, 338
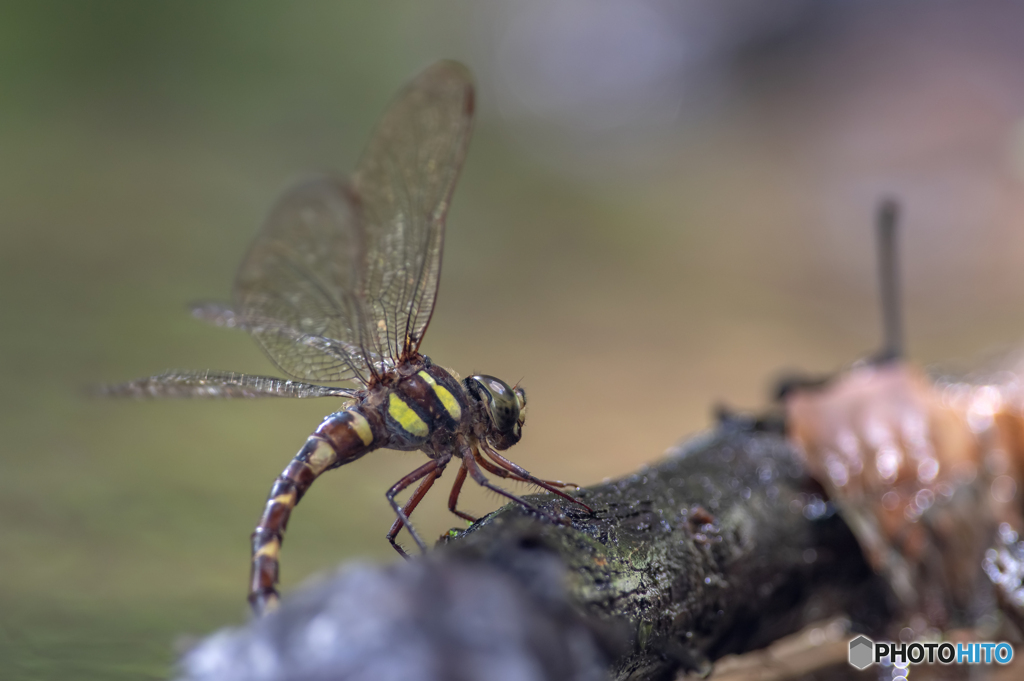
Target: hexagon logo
862, 652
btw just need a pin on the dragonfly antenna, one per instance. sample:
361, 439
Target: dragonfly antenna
888, 278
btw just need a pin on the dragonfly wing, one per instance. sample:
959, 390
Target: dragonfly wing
297, 291
218, 314
223, 315
405, 180
211, 384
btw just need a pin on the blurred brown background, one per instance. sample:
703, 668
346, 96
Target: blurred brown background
665, 204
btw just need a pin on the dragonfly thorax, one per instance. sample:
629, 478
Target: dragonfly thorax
417, 403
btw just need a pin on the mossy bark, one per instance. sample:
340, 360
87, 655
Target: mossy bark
720, 548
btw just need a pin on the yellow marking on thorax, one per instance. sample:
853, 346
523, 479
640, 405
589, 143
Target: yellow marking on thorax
448, 401
272, 549
362, 427
322, 457
406, 417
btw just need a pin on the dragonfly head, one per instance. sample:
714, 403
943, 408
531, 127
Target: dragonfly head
505, 407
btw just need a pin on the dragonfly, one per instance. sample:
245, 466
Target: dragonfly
340, 285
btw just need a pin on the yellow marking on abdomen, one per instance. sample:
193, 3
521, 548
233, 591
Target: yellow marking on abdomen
362, 427
322, 457
448, 401
406, 417
272, 549
286, 499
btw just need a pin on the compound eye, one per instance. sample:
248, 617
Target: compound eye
502, 402
521, 398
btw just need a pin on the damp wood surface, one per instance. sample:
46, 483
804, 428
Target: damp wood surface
720, 548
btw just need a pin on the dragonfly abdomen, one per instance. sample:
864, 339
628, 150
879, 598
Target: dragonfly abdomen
350, 433
342, 437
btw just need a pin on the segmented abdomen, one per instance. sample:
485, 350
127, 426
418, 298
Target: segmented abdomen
342, 437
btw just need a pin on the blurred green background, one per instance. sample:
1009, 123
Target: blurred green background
663, 207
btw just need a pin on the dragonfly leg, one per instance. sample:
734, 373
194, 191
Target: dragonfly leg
513, 467
519, 473
469, 460
432, 471
410, 506
500, 472
453, 498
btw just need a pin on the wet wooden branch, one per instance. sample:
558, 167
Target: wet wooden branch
722, 547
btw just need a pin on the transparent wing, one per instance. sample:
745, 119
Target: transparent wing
297, 290
220, 314
211, 384
405, 181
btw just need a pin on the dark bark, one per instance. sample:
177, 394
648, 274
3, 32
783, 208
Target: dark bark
722, 547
